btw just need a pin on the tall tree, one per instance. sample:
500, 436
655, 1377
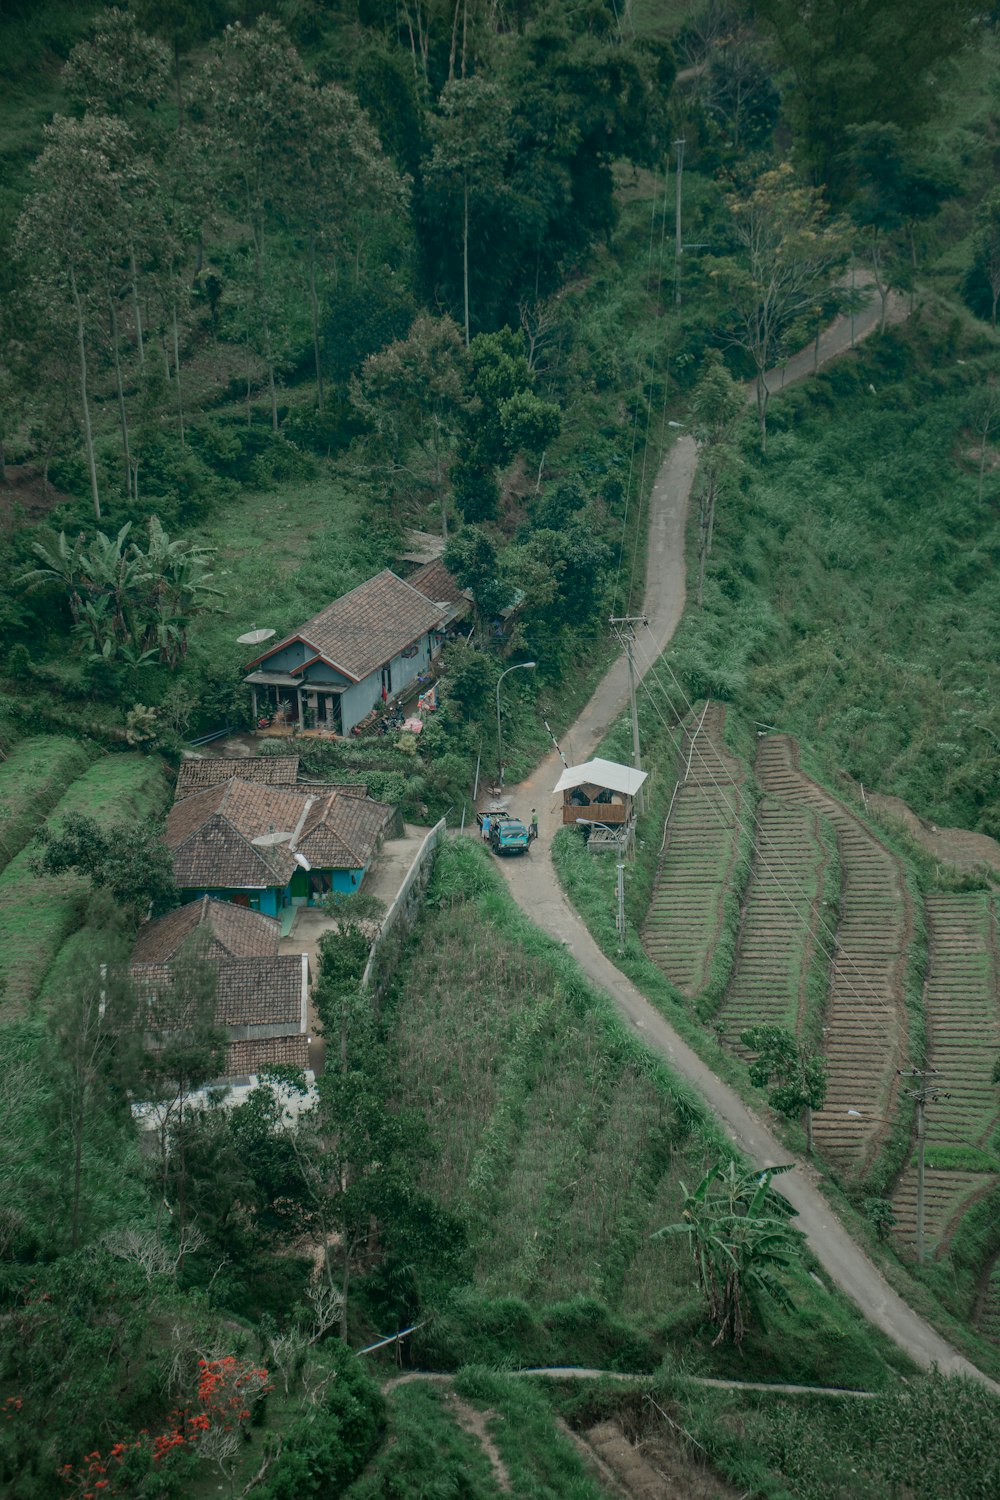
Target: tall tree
894, 190
344, 179
985, 270
470, 147
854, 62
717, 403
412, 394
256, 93
787, 254
73, 236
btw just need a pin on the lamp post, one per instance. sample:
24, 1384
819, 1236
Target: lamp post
517, 667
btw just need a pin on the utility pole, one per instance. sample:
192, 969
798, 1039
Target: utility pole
678, 236
620, 916
923, 1093
627, 637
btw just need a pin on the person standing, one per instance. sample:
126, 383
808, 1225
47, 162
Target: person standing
486, 827
533, 827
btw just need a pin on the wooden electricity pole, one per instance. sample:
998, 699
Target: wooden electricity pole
624, 628
923, 1093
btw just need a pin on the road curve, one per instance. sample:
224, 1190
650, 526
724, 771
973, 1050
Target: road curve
535, 887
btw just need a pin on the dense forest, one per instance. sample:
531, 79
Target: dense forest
280, 284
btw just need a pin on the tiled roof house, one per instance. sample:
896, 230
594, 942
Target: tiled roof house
262, 997
199, 772
269, 847
369, 644
226, 931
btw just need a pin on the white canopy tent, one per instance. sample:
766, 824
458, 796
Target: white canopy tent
607, 774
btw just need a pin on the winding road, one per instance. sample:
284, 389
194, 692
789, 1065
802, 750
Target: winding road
535, 887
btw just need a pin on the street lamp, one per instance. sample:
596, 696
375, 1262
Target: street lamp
517, 667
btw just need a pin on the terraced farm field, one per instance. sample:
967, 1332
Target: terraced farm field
987, 1313
33, 777
38, 914
782, 917
865, 1033
962, 1009
699, 856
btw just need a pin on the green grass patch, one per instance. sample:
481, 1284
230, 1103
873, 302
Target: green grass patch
33, 777
561, 1141
38, 914
852, 586
427, 1453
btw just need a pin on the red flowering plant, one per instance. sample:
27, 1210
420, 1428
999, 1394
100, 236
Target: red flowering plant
228, 1393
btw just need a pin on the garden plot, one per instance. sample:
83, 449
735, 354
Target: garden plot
38, 914
781, 922
865, 1030
33, 777
687, 909
962, 1012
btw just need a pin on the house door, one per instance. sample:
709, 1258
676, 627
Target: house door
386, 682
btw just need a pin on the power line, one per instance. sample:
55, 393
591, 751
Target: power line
756, 836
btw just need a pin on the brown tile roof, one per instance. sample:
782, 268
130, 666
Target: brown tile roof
227, 931
243, 1059
362, 630
226, 836
199, 772
250, 991
243, 836
435, 582
342, 832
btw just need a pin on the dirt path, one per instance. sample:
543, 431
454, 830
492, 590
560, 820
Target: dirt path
534, 886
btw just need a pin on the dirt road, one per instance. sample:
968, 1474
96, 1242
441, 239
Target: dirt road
534, 886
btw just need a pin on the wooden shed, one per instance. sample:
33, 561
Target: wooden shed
599, 791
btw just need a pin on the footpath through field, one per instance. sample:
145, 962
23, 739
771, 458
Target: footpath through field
535, 887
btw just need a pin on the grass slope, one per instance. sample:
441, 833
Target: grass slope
33, 777
562, 1143
38, 914
852, 590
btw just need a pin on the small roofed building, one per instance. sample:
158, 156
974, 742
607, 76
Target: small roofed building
364, 648
599, 791
261, 998
437, 584
196, 772
224, 931
272, 847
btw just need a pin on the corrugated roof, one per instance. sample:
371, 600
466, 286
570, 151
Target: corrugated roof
364, 629
607, 774
199, 772
230, 932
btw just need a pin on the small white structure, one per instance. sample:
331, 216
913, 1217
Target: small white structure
599, 791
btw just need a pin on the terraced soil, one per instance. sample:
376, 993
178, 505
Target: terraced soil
865, 1024
987, 1315
781, 915
702, 838
962, 1010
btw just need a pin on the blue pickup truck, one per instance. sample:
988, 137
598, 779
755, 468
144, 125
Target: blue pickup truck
505, 833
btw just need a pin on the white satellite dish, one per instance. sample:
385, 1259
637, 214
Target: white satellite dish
255, 637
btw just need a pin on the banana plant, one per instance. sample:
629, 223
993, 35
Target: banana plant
741, 1243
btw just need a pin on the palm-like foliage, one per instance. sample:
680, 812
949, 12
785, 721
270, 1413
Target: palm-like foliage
741, 1242
131, 604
